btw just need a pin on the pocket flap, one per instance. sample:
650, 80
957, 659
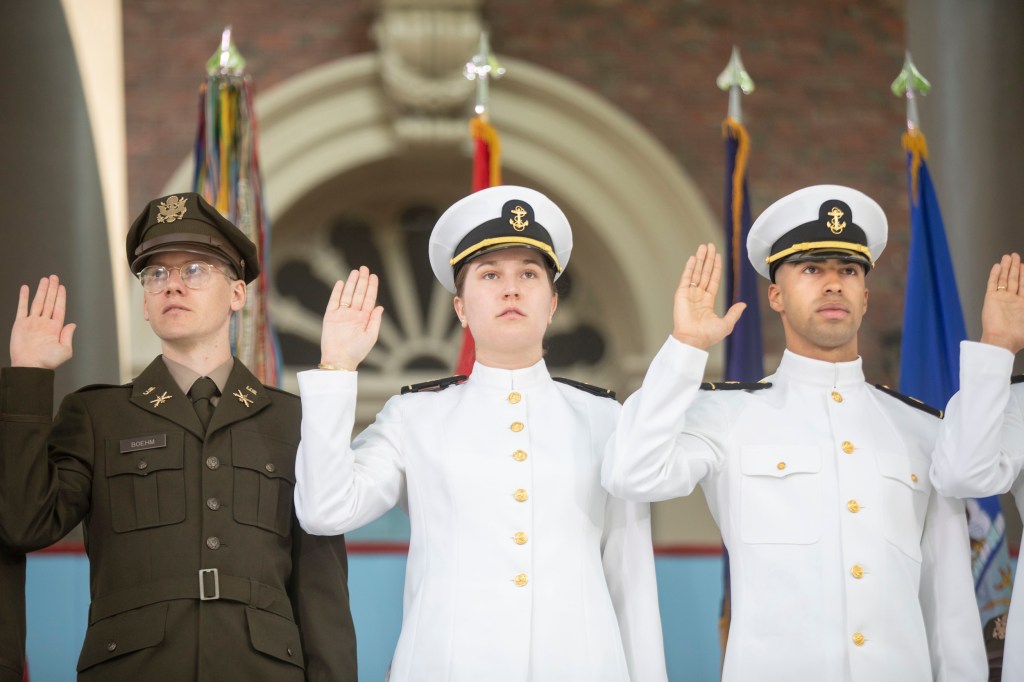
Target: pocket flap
275, 636
122, 634
271, 457
779, 461
909, 468
146, 461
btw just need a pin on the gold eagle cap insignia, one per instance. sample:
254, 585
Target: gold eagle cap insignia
171, 209
835, 224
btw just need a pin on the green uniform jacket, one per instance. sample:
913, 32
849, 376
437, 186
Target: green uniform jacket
12, 616
198, 568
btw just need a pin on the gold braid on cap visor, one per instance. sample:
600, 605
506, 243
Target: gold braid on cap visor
496, 241
809, 246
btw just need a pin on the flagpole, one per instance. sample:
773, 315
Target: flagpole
933, 327
482, 67
735, 79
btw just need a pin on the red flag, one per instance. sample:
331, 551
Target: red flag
486, 173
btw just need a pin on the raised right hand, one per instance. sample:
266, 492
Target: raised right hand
351, 322
694, 321
39, 337
1002, 314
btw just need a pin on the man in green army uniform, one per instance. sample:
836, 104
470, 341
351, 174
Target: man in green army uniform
183, 478
12, 616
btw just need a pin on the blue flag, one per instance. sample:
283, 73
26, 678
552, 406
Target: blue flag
744, 356
933, 327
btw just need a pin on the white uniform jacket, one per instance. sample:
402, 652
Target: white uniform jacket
521, 567
982, 454
845, 565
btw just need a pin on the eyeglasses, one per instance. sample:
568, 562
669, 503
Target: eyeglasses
194, 274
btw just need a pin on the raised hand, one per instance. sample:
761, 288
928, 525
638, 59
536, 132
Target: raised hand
1002, 315
694, 321
39, 337
351, 322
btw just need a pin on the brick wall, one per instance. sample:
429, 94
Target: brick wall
822, 111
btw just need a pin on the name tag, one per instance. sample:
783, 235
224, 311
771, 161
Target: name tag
144, 443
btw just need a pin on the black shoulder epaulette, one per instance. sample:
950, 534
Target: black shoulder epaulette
913, 402
96, 387
734, 385
1016, 379
435, 385
593, 390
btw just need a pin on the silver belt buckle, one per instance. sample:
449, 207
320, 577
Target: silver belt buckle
203, 596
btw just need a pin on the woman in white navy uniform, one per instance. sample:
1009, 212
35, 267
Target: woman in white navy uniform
982, 453
845, 565
521, 567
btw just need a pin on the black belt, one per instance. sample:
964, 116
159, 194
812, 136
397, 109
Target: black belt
209, 586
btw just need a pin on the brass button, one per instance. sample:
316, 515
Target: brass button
270, 467
212, 463
142, 465
514, 397
913, 478
517, 426
519, 538
837, 396
213, 503
520, 495
780, 466
213, 542
519, 455
858, 639
847, 447
111, 646
853, 506
857, 571
520, 580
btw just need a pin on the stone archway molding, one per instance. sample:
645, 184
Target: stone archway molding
599, 163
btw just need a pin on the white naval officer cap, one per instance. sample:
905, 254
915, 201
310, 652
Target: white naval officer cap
818, 223
501, 217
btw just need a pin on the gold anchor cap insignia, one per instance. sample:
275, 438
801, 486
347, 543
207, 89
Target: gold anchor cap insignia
835, 225
516, 221
242, 398
171, 209
160, 399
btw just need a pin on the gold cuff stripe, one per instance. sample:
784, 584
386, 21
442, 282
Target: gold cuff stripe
807, 246
495, 241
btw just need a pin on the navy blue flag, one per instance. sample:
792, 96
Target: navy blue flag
933, 327
744, 356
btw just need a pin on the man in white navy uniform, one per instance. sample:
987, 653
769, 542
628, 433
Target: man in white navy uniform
521, 567
982, 451
846, 566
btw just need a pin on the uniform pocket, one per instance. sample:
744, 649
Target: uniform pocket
123, 634
780, 495
905, 493
275, 636
264, 471
147, 486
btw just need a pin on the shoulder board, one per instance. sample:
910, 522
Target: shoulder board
1016, 379
913, 402
735, 385
96, 387
587, 388
435, 385
275, 389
